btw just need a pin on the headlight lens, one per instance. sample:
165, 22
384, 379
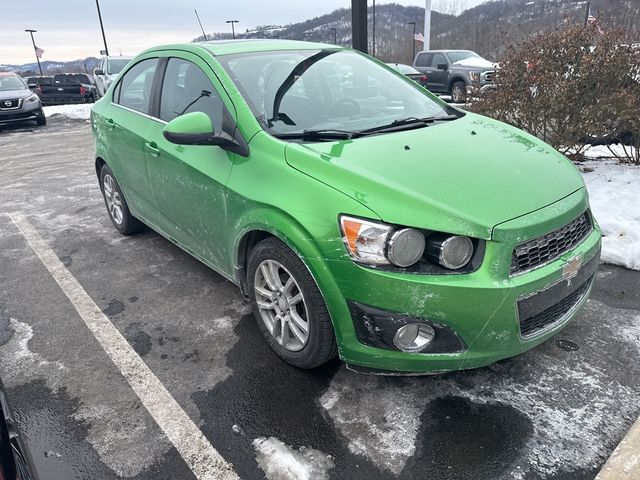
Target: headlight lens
450, 251
33, 98
365, 241
474, 76
406, 247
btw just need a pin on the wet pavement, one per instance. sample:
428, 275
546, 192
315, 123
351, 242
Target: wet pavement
556, 412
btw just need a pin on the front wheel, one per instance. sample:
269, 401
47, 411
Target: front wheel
288, 306
41, 119
459, 92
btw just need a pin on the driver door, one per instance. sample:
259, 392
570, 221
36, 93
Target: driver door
189, 181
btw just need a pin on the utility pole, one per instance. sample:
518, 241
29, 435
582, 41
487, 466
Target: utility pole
335, 35
233, 31
427, 25
413, 41
373, 33
359, 25
35, 49
201, 27
104, 39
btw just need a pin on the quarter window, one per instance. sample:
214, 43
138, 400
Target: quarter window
134, 89
185, 89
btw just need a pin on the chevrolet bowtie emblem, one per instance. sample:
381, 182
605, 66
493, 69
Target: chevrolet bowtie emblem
572, 267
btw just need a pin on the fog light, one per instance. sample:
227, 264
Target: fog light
413, 337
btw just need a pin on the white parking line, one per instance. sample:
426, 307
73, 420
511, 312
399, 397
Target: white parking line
203, 460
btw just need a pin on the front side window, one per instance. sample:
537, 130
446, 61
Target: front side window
134, 89
185, 89
293, 91
115, 66
438, 59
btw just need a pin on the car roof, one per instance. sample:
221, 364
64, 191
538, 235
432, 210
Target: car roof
226, 47
8, 74
447, 51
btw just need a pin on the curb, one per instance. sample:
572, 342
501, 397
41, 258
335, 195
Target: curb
624, 462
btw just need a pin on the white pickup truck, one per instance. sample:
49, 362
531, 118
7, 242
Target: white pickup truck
107, 71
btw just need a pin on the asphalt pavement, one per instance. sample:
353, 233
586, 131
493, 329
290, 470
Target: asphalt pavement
556, 412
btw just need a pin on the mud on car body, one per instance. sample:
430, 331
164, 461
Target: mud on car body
361, 215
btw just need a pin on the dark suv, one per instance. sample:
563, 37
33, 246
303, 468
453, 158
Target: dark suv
450, 72
17, 102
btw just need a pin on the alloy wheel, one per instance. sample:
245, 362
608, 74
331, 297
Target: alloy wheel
282, 306
112, 197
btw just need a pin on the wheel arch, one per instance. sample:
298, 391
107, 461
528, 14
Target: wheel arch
452, 82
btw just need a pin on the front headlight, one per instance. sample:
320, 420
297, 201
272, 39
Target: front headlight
451, 251
474, 76
33, 98
375, 243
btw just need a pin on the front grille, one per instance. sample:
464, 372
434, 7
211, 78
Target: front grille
534, 324
490, 76
10, 104
549, 247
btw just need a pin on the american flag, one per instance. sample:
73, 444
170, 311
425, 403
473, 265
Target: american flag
593, 20
418, 37
39, 52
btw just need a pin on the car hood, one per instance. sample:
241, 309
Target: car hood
464, 176
11, 94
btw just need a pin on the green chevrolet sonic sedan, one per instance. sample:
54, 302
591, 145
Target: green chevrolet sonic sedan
360, 215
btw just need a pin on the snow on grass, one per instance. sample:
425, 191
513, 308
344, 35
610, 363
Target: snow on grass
278, 461
75, 112
614, 193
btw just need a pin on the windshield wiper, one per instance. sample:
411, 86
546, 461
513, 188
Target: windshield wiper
324, 134
413, 122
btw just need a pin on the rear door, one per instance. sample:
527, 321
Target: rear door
128, 124
437, 73
188, 181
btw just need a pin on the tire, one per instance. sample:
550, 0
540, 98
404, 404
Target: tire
41, 120
320, 344
116, 204
459, 92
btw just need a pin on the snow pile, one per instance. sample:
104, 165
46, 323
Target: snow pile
278, 461
81, 111
611, 151
614, 194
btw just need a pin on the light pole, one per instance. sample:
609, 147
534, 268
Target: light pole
233, 31
373, 30
35, 49
104, 38
335, 35
413, 41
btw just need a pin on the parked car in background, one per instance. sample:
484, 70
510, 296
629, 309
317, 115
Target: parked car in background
17, 102
361, 215
107, 71
408, 71
69, 88
450, 72
15, 458
34, 83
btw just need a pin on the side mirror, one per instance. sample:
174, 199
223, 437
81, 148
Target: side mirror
195, 128
98, 71
442, 66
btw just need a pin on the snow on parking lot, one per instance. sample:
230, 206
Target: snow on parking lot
75, 112
614, 192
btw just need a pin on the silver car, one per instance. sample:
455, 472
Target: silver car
17, 102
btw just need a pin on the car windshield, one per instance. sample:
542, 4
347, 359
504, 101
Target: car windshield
461, 55
297, 90
11, 83
116, 65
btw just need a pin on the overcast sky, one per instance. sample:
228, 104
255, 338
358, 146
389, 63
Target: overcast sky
69, 29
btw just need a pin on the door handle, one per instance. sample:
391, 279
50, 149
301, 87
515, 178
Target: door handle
152, 148
111, 124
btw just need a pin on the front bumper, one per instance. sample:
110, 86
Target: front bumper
27, 111
482, 307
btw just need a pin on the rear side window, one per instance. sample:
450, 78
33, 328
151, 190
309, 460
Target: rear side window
423, 60
185, 89
134, 88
